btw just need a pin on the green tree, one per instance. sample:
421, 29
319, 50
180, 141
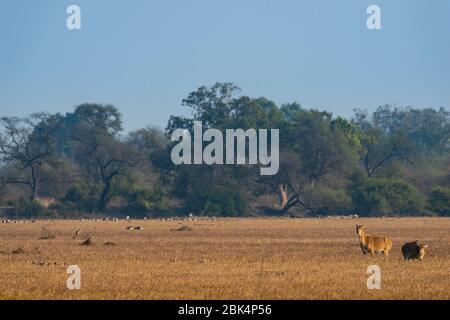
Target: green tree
386, 197
440, 201
219, 107
99, 150
315, 148
428, 129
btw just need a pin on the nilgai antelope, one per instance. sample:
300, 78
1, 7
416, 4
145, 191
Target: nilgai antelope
414, 250
372, 244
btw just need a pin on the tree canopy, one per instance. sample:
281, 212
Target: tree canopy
394, 161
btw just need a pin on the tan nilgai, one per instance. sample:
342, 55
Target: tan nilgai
372, 244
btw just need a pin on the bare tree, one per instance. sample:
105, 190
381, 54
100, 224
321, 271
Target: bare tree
379, 149
27, 144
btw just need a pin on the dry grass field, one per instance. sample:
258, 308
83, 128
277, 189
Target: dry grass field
223, 259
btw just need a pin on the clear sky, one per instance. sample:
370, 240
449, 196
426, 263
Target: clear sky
145, 56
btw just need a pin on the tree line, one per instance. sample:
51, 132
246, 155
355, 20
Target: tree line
392, 162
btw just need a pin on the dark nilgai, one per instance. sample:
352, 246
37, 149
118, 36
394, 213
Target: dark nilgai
414, 250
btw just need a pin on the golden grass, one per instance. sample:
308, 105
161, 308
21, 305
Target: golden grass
223, 259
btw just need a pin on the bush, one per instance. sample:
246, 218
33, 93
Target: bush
386, 197
82, 197
146, 200
26, 208
217, 200
328, 201
439, 201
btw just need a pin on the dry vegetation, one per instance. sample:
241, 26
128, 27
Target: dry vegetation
223, 259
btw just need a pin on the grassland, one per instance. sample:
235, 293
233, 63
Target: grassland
223, 259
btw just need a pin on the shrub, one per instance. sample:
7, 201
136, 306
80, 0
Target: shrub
216, 200
27, 208
81, 196
146, 200
439, 201
386, 197
328, 201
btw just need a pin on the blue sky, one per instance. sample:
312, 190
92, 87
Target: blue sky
145, 56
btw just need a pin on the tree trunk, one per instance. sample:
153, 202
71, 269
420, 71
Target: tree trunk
33, 185
293, 201
34, 192
282, 195
103, 201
